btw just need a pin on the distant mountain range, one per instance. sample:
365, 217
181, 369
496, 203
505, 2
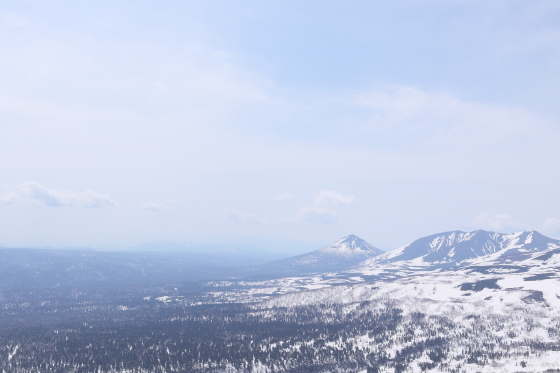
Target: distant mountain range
459, 248
348, 257
473, 254
167, 262
216, 254
36, 268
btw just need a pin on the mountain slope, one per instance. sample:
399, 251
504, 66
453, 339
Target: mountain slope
456, 247
475, 314
452, 302
339, 256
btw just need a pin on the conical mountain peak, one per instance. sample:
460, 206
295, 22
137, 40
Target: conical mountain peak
340, 255
351, 245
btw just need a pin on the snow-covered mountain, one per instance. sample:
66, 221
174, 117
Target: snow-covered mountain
478, 252
456, 248
339, 256
481, 310
466, 302
349, 249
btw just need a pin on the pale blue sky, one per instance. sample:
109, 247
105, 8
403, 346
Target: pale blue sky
276, 122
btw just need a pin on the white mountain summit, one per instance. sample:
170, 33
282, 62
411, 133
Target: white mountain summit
341, 255
349, 247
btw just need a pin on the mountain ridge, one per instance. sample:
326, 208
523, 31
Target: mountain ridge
456, 247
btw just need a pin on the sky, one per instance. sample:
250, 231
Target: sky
276, 125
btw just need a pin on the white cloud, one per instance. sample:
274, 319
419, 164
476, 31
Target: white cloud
498, 223
442, 117
7, 198
317, 215
244, 218
253, 219
332, 198
286, 196
552, 226
37, 193
153, 207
